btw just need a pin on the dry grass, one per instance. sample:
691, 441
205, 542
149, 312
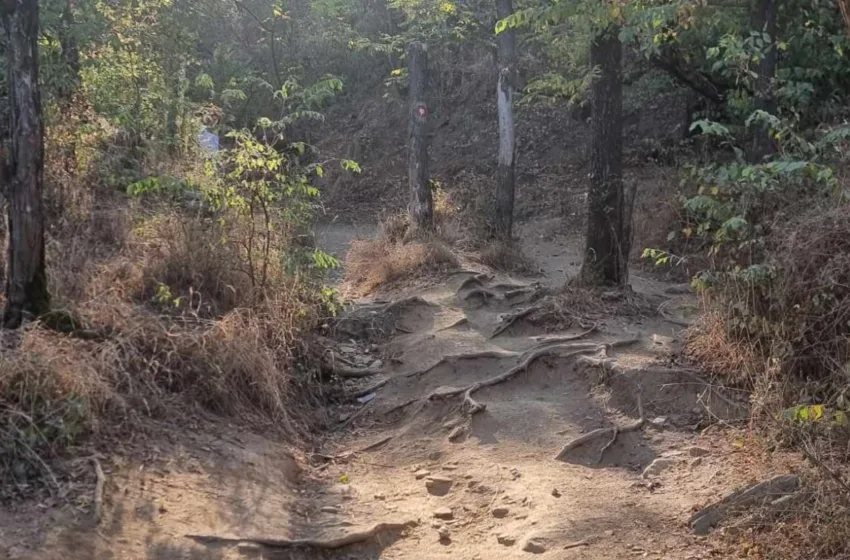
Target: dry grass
505, 256
784, 337
372, 263
575, 304
156, 313
711, 345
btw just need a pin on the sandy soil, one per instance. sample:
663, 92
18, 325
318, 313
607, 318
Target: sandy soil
450, 482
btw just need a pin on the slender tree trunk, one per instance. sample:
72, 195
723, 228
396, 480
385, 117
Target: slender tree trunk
67, 95
505, 187
421, 200
26, 281
608, 205
764, 21
175, 108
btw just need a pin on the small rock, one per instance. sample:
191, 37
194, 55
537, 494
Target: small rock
449, 467
421, 473
435, 455
500, 512
329, 509
657, 466
659, 421
443, 513
609, 533
380, 497
506, 540
377, 364
696, 462
438, 485
534, 546
456, 433
556, 493
698, 452
444, 534
515, 473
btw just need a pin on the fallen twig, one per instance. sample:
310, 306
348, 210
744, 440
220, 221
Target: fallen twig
511, 318
98, 491
324, 544
369, 389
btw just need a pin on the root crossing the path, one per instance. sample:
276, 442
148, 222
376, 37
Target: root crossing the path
331, 543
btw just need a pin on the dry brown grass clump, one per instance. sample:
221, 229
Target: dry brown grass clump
397, 251
576, 305
711, 345
505, 256
155, 311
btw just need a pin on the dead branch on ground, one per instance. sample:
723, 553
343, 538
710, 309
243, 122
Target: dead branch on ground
98, 491
505, 321
370, 389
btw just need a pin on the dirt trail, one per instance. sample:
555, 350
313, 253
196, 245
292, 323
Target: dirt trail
426, 472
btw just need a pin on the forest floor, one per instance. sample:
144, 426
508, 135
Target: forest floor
427, 474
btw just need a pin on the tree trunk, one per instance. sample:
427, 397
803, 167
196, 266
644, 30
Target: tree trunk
505, 188
764, 21
421, 201
175, 108
608, 205
26, 281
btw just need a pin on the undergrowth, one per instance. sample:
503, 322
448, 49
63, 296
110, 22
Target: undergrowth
161, 305
398, 251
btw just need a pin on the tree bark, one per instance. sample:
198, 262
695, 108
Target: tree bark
421, 200
26, 281
505, 187
764, 21
608, 205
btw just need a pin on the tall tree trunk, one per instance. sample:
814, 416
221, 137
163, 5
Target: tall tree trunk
764, 21
421, 200
26, 281
608, 205
505, 188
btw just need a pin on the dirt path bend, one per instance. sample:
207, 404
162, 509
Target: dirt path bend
455, 448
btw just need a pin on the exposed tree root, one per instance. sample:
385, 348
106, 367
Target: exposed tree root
455, 358
354, 372
325, 544
485, 294
510, 318
553, 339
471, 282
348, 454
471, 406
459, 322
602, 432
